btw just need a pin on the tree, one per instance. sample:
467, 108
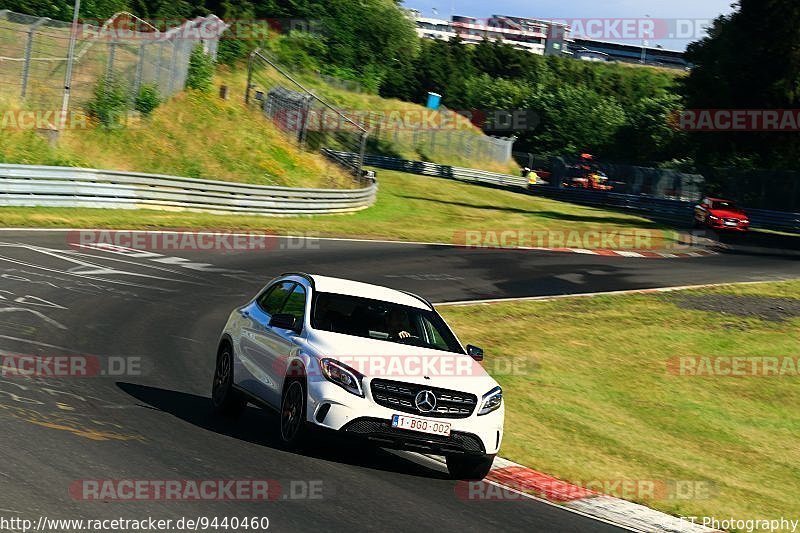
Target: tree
648, 134
763, 74
573, 119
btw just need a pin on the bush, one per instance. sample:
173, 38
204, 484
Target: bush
109, 103
147, 100
201, 70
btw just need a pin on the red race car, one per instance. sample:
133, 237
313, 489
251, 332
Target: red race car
720, 215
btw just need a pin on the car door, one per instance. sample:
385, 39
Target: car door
260, 344
271, 348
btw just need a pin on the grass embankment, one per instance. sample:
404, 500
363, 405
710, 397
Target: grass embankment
449, 145
191, 135
409, 207
202, 136
597, 403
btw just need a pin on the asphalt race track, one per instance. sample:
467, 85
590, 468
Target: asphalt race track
168, 308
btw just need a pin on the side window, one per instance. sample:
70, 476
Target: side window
272, 300
295, 304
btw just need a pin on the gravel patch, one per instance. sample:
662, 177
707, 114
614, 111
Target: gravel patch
765, 308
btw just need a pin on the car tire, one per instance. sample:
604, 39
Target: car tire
292, 416
469, 467
225, 400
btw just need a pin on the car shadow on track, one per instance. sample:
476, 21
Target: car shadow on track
255, 424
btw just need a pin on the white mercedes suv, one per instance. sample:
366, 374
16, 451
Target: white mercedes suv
363, 360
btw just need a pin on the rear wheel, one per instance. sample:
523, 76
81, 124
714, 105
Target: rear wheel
293, 412
224, 398
469, 467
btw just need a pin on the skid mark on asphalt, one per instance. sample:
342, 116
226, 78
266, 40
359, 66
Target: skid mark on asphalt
62, 410
36, 313
84, 269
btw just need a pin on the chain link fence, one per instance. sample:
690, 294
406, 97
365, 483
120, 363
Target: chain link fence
312, 122
127, 52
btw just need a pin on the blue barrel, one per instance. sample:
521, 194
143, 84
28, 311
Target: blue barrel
434, 100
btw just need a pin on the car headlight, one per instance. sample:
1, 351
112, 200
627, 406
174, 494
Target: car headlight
491, 401
712, 217
339, 373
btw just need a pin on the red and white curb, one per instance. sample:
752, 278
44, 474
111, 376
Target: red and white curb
524, 480
647, 254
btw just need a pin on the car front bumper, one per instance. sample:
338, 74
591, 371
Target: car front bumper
332, 407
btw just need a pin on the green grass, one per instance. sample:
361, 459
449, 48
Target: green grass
593, 399
409, 207
192, 135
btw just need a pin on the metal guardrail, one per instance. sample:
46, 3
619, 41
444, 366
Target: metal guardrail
432, 169
671, 209
776, 220
45, 186
674, 210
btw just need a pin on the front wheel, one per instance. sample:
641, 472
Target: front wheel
469, 467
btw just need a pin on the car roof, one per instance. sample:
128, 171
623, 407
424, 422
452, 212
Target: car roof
365, 290
720, 200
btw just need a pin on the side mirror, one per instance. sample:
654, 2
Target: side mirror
283, 321
475, 352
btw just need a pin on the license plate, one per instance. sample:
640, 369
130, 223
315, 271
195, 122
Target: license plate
420, 424
731, 223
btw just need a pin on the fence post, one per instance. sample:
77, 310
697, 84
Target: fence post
361, 154
137, 82
26, 67
306, 110
112, 52
172, 62
158, 65
249, 78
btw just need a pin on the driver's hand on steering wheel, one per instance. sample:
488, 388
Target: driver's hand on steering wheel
404, 335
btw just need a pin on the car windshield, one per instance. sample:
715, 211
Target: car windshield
385, 321
723, 205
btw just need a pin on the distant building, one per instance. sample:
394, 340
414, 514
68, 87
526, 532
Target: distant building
541, 37
632, 53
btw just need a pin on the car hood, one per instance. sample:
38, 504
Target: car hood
398, 362
728, 213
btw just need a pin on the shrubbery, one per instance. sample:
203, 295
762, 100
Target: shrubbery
201, 70
147, 100
109, 104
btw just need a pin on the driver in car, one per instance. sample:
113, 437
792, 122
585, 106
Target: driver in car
397, 325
